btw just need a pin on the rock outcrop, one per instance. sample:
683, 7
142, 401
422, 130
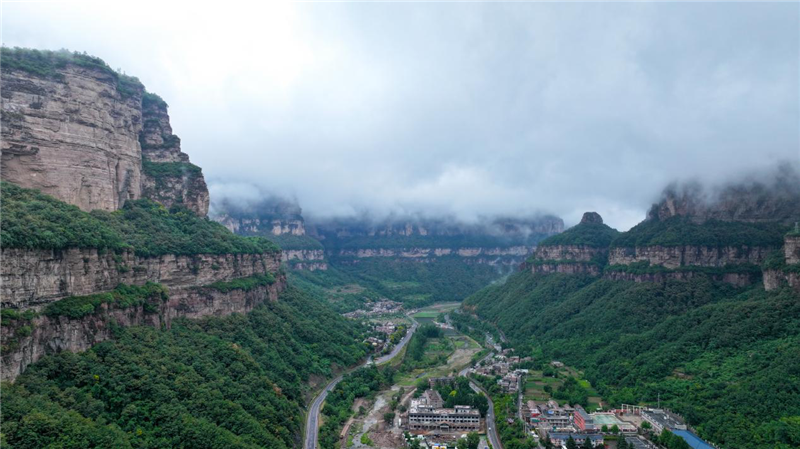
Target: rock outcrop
75, 129
168, 176
34, 278
581, 249
672, 257
786, 271
305, 259
47, 335
74, 136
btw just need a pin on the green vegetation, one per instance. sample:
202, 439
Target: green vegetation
679, 230
124, 296
49, 64
37, 221
512, 434
723, 357
153, 100
644, 267
416, 346
245, 284
362, 383
232, 382
459, 393
161, 170
589, 234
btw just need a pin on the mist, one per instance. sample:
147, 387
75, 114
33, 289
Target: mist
459, 110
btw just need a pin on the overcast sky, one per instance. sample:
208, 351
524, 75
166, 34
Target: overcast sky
454, 108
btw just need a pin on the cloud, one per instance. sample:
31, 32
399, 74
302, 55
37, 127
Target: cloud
458, 109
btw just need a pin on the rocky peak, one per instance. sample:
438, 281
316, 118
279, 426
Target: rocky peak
770, 197
592, 217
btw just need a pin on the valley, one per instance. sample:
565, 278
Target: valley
141, 311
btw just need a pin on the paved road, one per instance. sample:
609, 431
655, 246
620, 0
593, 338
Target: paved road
491, 426
398, 347
312, 419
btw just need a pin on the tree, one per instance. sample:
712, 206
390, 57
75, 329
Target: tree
646, 425
473, 440
615, 429
604, 429
571, 444
388, 417
587, 443
622, 444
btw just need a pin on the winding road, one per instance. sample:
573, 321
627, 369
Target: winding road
312, 419
491, 426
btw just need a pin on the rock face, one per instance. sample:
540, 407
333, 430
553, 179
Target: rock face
490, 256
736, 279
305, 259
791, 249
33, 278
263, 226
789, 273
591, 217
75, 137
168, 176
55, 334
754, 200
680, 256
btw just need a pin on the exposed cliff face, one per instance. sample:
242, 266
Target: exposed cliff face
791, 248
499, 227
736, 279
75, 137
168, 176
680, 256
33, 278
55, 334
491, 256
73, 131
263, 226
305, 259
550, 267
754, 200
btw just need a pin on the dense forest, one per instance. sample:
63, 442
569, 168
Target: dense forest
32, 219
236, 381
413, 283
723, 357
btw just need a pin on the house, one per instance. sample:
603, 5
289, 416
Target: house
583, 420
560, 439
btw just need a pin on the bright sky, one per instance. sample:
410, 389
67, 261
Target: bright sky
460, 109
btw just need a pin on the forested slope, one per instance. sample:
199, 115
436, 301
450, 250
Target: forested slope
724, 357
217, 382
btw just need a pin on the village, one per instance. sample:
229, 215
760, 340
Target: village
423, 418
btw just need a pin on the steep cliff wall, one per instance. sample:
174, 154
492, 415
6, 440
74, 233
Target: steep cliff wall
168, 176
46, 335
783, 268
73, 135
582, 249
491, 256
680, 256
33, 278
305, 259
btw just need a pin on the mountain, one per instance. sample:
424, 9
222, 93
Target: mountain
415, 261
696, 306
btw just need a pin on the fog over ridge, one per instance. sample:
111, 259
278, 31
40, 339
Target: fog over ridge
455, 110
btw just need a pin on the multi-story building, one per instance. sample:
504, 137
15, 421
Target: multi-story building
560, 439
583, 420
461, 418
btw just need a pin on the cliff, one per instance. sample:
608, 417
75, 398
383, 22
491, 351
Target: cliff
783, 267
77, 133
75, 129
168, 176
581, 249
73, 132
26, 341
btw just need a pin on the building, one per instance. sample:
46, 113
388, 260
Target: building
610, 420
661, 419
583, 420
560, 439
461, 418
